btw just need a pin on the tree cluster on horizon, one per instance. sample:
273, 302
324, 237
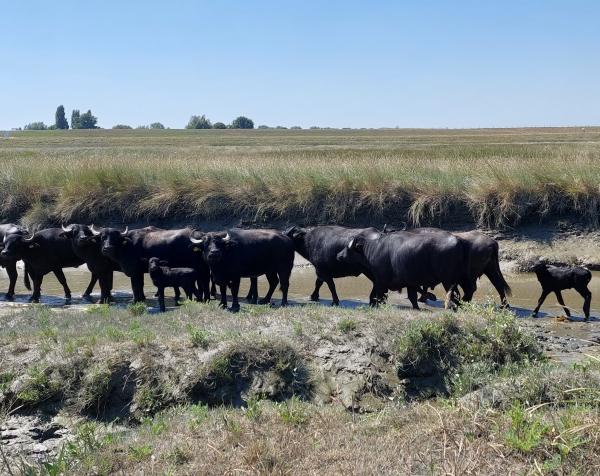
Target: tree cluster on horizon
203, 122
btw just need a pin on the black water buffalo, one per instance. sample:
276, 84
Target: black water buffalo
237, 254
409, 260
165, 277
320, 245
556, 279
11, 264
483, 260
44, 252
131, 250
87, 246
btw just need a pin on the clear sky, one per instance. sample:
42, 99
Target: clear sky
328, 63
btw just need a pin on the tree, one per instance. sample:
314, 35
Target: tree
60, 121
199, 122
263, 126
35, 126
121, 126
242, 123
75, 119
219, 125
88, 121
156, 125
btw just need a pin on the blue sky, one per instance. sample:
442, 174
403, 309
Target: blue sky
327, 63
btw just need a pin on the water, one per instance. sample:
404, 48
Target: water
353, 291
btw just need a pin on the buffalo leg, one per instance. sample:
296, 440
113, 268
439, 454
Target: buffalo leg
11, 270
190, 291
223, 291
541, 300
87, 294
37, 288
235, 289
412, 296
213, 287
137, 286
252, 296
587, 299
469, 288
498, 283
562, 303
449, 302
177, 295
315, 294
63, 281
335, 300
273, 282
105, 288
284, 279
161, 299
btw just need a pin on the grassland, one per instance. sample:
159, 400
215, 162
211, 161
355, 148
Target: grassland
304, 390
488, 177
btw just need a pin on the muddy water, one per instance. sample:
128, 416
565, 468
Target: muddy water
353, 291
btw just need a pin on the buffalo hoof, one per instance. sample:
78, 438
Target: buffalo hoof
9, 297
68, 301
534, 315
423, 298
234, 309
87, 298
263, 301
335, 303
34, 300
222, 305
252, 301
314, 298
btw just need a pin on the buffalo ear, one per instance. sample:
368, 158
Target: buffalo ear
33, 245
63, 234
126, 241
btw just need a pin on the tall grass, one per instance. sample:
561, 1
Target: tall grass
494, 177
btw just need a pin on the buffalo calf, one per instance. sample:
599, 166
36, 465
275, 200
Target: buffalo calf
164, 277
555, 279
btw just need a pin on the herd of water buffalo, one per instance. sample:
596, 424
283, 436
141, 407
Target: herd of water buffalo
416, 259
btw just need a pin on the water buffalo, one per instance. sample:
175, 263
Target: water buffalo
165, 277
236, 254
320, 245
556, 279
483, 260
131, 250
409, 260
44, 252
87, 246
11, 264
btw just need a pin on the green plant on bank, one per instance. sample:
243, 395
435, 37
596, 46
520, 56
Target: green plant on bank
100, 309
466, 355
137, 309
525, 432
347, 325
293, 412
198, 337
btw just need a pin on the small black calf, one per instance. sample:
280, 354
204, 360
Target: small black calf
164, 277
555, 279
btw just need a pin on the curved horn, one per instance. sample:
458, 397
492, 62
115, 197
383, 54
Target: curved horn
123, 233
69, 228
385, 228
30, 238
227, 237
196, 241
94, 231
351, 244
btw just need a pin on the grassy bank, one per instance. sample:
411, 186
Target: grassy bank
490, 177
304, 390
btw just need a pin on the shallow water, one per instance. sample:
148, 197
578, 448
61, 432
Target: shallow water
353, 291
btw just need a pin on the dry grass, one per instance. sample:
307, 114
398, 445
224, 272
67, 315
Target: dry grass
496, 177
